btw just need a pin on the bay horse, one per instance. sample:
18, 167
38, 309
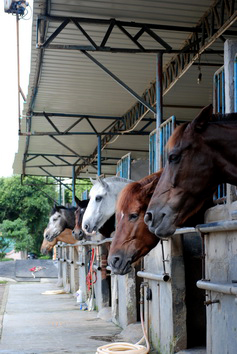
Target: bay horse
202, 155
103, 197
132, 239
65, 236
105, 229
60, 219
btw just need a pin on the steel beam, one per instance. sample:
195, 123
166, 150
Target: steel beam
109, 133
120, 82
179, 64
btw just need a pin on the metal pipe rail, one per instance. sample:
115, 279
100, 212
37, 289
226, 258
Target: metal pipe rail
228, 225
223, 288
152, 276
87, 243
185, 230
81, 264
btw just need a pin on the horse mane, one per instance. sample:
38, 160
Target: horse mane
178, 132
132, 188
224, 118
126, 194
53, 211
84, 203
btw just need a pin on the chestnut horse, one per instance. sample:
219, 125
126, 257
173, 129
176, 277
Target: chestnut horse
105, 229
202, 155
132, 239
65, 236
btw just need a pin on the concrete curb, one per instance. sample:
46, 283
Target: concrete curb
3, 306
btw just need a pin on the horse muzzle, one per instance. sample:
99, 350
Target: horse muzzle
160, 223
119, 264
78, 235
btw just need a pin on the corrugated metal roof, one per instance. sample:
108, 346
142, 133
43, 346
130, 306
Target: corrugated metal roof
68, 82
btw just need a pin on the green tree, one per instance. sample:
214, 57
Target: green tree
81, 186
31, 202
18, 231
4, 244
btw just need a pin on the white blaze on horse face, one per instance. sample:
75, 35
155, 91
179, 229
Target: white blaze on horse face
54, 226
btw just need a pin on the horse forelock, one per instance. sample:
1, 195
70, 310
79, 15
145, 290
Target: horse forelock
176, 136
126, 196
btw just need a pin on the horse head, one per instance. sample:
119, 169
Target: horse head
47, 246
65, 236
103, 197
132, 239
77, 232
188, 178
61, 218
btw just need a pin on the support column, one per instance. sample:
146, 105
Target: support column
60, 192
99, 156
73, 186
159, 106
230, 50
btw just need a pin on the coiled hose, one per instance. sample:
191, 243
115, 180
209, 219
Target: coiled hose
118, 347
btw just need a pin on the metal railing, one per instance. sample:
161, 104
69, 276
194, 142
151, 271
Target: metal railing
158, 160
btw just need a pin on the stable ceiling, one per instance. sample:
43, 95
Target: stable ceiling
78, 97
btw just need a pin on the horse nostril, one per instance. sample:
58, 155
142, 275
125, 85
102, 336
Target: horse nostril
148, 217
115, 261
86, 227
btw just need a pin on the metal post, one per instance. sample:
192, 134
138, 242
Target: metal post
60, 192
159, 107
18, 73
73, 186
99, 156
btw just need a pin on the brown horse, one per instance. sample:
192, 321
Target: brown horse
132, 239
65, 236
202, 154
78, 233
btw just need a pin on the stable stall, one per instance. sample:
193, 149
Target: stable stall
110, 79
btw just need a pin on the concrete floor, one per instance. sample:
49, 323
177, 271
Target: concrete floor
35, 324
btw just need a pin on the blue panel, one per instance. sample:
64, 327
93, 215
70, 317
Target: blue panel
165, 131
219, 104
85, 195
124, 166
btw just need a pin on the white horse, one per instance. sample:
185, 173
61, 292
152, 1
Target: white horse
102, 204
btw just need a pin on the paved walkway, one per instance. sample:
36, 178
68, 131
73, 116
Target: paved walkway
35, 324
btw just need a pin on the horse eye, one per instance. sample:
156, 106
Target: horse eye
133, 217
174, 158
98, 198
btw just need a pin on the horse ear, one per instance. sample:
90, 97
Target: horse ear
77, 200
200, 122
56, 207
103, 183
93, 181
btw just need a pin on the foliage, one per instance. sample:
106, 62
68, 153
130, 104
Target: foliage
18, 231
30, 204
45, 257
4, 244
81, 186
